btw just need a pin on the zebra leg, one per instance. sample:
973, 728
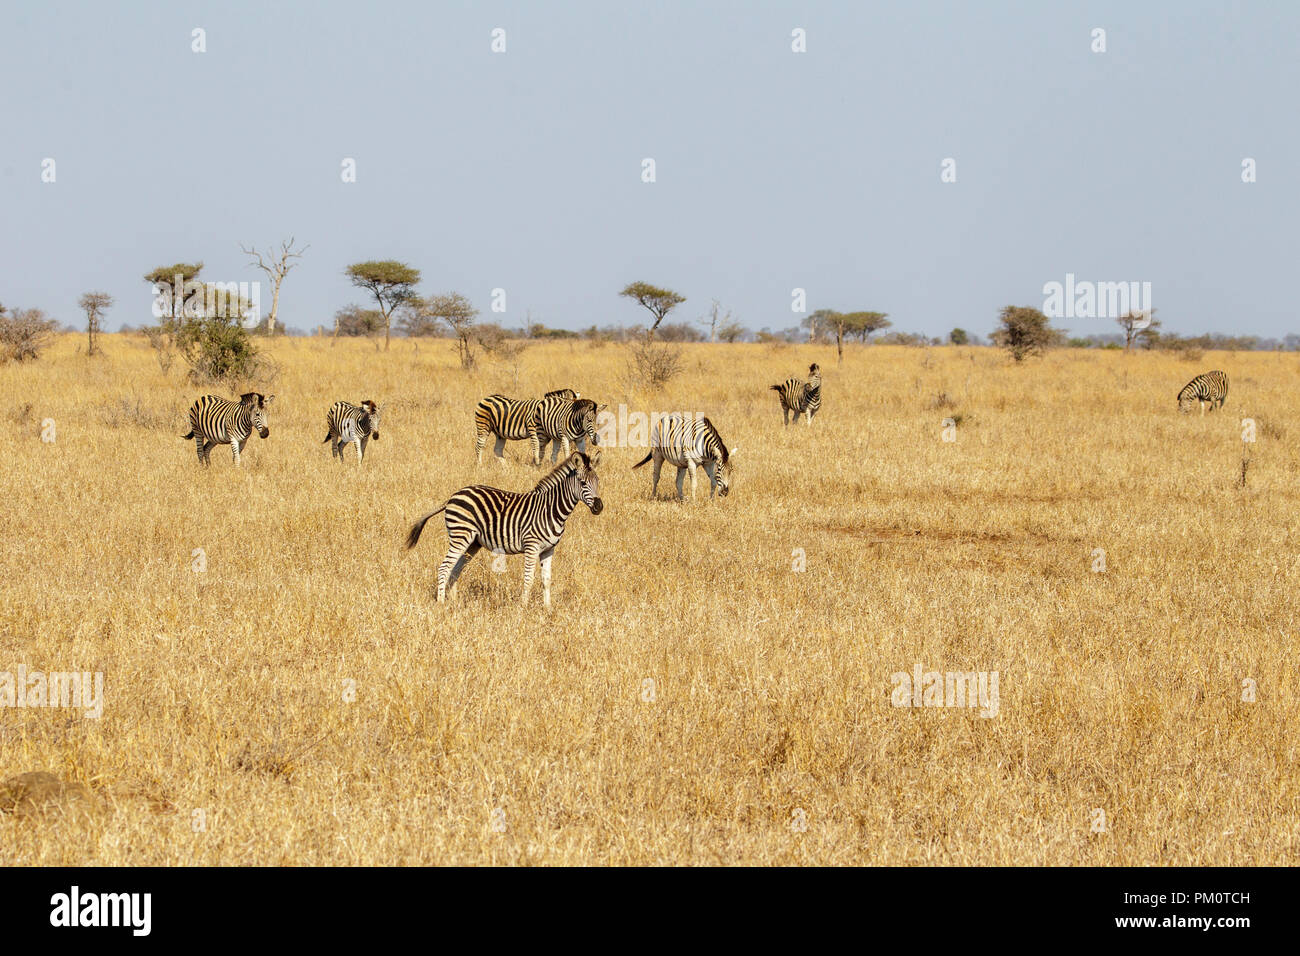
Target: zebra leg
535, 441
681, 473
500, 452
479, 442
530, 567
710, 469
207, 452
659, 466
198, 443
337, 448
546, 576
455, 551
360, 454
234, 450
691, 465
785, 415
465, 559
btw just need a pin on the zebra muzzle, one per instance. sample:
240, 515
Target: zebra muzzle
264, 432
597, 506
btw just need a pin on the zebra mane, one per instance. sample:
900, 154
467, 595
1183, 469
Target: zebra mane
712, 430
560, 472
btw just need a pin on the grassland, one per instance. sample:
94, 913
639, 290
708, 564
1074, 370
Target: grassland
303, 700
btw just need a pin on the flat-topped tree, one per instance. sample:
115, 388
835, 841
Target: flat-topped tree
166, 276
392, 283
94, 304
861, 324
658, 302
1025, 331
1139, 327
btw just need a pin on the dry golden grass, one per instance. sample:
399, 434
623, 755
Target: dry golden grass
226, 689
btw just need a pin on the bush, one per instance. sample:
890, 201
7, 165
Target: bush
653, 364
24, 333
1024, 331
216, 349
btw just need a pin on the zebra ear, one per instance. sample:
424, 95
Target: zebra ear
269, 399
601, 407
594, 457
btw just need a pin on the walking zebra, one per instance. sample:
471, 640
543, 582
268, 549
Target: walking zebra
510, 522
1208, 388
689, 443
509, 418
798, 396
571, 421
218, 421
355, 424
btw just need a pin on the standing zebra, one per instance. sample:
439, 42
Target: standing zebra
797, 396
355, 424
568, 421
509, 418
1208, 388
218, 421
510, 522
689, 443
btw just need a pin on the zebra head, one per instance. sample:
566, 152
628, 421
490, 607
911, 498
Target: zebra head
582, 420
724, 471
1186, 400
256, 403
371, 422
584, 467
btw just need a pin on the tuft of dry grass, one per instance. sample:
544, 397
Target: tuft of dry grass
692, 697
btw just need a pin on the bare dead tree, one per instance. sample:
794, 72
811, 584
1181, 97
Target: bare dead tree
95, 305
276, 264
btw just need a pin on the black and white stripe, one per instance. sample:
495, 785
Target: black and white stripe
511, 419
1208, 388
510, 522
568, 421
352, 424
690, 443
799, 396
218, 421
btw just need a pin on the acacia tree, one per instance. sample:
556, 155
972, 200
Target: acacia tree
658, 302
861, 324
1024, 331
94, 304
1139, 327
392, 283
276, 265
458, 313
162, 280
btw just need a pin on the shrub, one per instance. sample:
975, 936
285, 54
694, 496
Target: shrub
24, 333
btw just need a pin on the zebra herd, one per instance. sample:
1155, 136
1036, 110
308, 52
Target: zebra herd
531, 523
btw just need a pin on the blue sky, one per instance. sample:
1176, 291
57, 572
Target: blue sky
774, 170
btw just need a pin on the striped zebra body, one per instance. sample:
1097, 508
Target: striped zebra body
352, 424
218, 421
509, 522
571, 422
511, 419
1209, 388
799, 396
690, 443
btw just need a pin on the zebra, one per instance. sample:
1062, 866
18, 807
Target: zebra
509, 418
351, 424
797, 396
218, 421
565, 420
688, 443
1208, 388
510, 522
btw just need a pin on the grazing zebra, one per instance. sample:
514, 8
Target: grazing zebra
355, 424
509, 418
217, 421
689, 443
511, 522
1208, 388
568, 421
797, 396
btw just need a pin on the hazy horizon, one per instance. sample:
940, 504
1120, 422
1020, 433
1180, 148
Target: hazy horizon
775, 170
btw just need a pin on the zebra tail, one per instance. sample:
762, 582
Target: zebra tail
774, 388
190, 435
643, 461
327, 439
414, 535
